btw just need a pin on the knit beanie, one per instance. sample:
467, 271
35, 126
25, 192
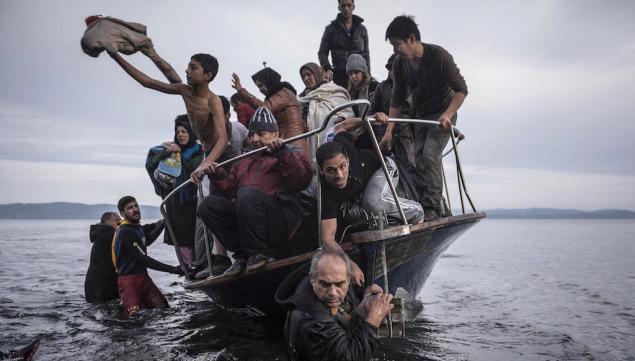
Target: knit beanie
356, 62
263, 120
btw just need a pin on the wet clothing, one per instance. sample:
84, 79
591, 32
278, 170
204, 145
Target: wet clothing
138, 291
426, 86
312, 333
101, 279
129, 242
341, 43
114, 35
261, 202
129, 254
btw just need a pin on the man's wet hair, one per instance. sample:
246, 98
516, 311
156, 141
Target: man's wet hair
124, 201
401, 27
107, 217
329, 150
208, 62
332, 253
225, 104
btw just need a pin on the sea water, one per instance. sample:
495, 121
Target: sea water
506, 290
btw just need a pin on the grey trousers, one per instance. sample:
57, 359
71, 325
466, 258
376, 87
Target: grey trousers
429, 144
378, 198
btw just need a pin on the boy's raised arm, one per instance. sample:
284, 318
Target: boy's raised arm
145, 80
167, 69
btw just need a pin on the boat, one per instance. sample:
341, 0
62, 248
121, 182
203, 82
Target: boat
393, 256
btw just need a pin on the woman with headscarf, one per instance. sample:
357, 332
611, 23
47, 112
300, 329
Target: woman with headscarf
317, 100
181, 208
280, 98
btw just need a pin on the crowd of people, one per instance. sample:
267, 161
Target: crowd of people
253, 207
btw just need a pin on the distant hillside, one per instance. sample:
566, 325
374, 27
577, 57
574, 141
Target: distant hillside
65, 210
555, 213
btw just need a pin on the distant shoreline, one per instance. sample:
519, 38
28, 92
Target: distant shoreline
69, 210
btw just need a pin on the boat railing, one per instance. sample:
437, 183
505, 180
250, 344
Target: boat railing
316, 131
455, 135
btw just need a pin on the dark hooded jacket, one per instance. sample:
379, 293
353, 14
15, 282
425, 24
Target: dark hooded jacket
101, 279
281, 100
341, 44
312, 333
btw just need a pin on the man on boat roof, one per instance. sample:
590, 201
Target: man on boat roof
129, 255
351, 176
325, 319
260, 210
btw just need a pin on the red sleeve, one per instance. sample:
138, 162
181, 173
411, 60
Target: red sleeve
295, 167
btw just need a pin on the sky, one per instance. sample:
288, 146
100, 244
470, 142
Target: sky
548, 119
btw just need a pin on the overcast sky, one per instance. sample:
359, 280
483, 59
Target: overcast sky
548, 119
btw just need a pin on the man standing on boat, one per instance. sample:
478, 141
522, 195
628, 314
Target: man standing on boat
427, 81
260, 209
351, 176
342, 37
129, 255
326, 321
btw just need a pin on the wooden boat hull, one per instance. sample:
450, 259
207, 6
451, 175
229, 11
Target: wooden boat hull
410, 259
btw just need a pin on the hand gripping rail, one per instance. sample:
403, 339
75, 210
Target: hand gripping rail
325, 123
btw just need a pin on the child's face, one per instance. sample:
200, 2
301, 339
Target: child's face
195, 74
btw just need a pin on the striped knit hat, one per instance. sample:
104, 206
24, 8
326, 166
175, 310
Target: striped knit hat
263, 120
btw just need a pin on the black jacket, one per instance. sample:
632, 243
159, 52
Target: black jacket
312, 333
336, 40
101, 279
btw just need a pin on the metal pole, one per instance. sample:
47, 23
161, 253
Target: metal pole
175, 242
319, 194
369, 127
445, 186
384, 268
460, 172
205, 235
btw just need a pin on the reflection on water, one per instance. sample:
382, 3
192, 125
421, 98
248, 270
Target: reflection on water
507, 290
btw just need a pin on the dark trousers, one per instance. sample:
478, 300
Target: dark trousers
429, 144
340, 78
254, 223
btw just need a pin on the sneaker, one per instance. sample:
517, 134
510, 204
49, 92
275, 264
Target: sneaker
256, 261
220, 264
202, 274
237, 267
430, 214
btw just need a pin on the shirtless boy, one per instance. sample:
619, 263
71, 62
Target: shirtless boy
203, 107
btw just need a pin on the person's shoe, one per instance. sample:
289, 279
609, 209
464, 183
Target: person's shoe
220, 264
417, 219
430, 214
202, 274
256, 261
237, 267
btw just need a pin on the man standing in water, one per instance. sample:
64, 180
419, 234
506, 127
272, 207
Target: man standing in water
203, 107
131, 261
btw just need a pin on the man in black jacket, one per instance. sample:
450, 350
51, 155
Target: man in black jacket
326, 321
342, 37
101, 277
129, 254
